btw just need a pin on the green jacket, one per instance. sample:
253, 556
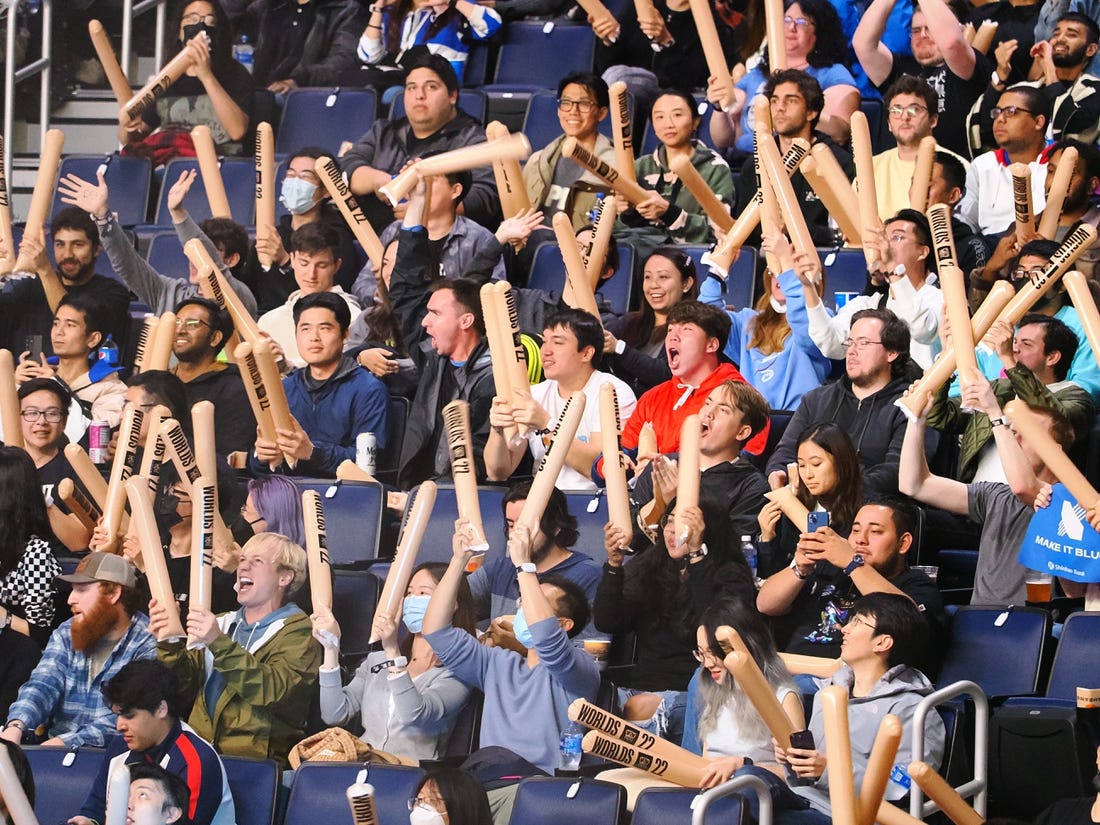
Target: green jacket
538, 175
263, 709
947, 416
685, 221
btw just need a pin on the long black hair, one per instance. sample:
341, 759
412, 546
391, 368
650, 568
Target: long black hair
24, 509
221, 47
464, 796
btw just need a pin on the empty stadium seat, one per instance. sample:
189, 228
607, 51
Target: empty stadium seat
590, 510
166, 255
354, 597
548, 274
536, 55
253, 783
543, 800
239, 177
740, 287
466, 733
674, 806
353, 517
389, 458
325, 118
1004, 657
436, 545
128, 178
845, 271
1077, 661
60, 789
318, 794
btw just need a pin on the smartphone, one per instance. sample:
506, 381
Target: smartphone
816, 519
33, 345
802, 739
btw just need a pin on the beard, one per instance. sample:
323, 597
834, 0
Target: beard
542, 551
89, 628
1070, 59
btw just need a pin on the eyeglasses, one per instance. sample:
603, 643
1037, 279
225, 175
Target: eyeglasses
31, 414
582, 106
703, 655
207, 19
1028, 274
912, 110
857, 619
859, 343
190, 324
797, 22
427, 803
1008, 111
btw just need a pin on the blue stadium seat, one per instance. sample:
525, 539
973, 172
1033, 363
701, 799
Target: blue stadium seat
354, 597
543, 800
673, 806
166, 255
1077, 661
533, 58
436, 545
128, 178
845, 271
980, 645
253, 783
541, 124
875, 123
353, 517
477, 65
466, 733
590, 522
741, 284
318, 792
239, 176
548, 274
325, 118
60, 789
472, 101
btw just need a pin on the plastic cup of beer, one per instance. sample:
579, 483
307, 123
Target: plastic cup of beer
1040, 586
598, 649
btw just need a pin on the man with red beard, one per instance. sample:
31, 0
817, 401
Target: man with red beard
105, 633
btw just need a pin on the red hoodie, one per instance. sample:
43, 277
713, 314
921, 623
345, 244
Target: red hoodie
657, 404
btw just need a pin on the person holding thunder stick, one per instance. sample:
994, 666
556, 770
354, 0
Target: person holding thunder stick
215, 91
659, 597
672, 214
404, 697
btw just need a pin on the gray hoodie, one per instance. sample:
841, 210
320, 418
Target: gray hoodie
899, 691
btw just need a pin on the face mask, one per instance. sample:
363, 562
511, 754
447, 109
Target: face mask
778, 307
412, 612
522, 631
191, 30
422, 816
297, 195
165, 511
242, 531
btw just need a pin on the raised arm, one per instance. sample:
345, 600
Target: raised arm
914, 477
874, 56
947, 31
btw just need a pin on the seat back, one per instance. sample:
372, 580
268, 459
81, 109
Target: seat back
325, 118
541, 124
548, 274
354, 599
544, 800
535, 54
981, 645
472, 101
740, 290
674, 806
1077, 661
253, 783
590, 511
60, 789
467, 730
239, 177
166, 256
128, 178
436, 545
845, 271
390, 458
353, 517
319, 792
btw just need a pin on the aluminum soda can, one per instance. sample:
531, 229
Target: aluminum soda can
366, 449
99, 437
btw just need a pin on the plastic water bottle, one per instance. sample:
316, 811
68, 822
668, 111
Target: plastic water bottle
242, 52
571, 747
748, 550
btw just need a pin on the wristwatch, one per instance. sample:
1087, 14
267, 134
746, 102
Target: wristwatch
698, 554
857, 561
1002, 421
526, 567
620, 346
794, 569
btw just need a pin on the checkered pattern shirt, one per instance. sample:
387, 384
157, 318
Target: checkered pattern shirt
29, 588
67, 697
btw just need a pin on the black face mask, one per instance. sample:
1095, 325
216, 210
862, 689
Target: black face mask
191, 30
165, 512
1096, 783
242, 530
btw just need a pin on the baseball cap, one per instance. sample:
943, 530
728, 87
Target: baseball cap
103, 567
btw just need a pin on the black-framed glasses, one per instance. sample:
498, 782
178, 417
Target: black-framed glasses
1008, 111
702, 656
1028, 274
582, 106
53, 415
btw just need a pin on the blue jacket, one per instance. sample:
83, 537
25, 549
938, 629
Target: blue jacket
782, 377
352, 401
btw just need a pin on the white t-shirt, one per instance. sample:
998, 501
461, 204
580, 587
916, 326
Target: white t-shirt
726, 739
550, 399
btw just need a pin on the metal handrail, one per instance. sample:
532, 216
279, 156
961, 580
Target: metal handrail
979, 785
41, 66
131, 10
747, 782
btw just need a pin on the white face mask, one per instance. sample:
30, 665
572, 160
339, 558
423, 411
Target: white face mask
778, 307
424, 816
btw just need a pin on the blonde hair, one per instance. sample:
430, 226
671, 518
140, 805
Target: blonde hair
288, 556
769, 329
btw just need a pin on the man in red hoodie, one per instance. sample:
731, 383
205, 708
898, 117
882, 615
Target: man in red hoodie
695, 340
